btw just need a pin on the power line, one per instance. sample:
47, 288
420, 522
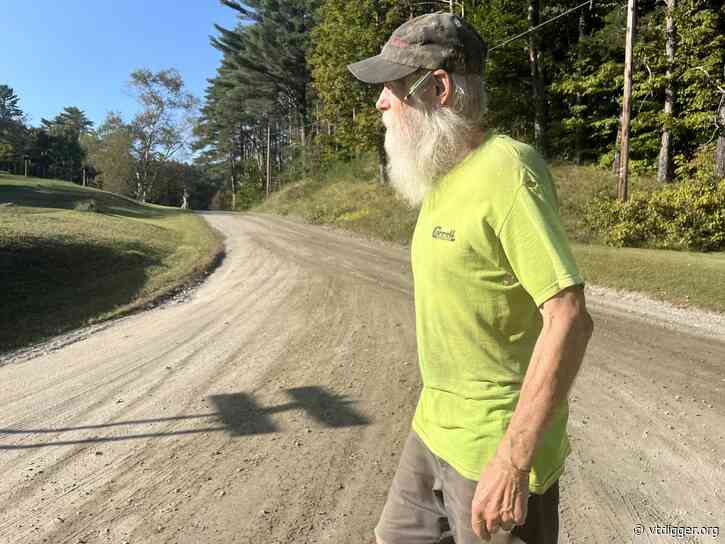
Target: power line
537, 27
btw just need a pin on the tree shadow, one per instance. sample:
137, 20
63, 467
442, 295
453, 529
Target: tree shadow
238, 413
55, 285
70, 198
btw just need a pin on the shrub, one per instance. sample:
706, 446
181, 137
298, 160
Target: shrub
249, 194
86, 206
689, 215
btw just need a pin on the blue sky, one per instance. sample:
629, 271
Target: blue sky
57, 53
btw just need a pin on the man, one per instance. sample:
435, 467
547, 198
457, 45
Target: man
501, 321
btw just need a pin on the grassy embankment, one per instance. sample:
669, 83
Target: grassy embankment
71, 256
350, 197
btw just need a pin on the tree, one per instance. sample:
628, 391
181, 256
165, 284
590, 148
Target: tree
700, 55
664, 162
348, 32
262, 82
65, 153
720, 149
537, 80
161, 128
9, 108
71, 119
12, 129
109, 153
267, 58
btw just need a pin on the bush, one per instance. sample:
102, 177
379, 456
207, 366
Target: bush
88, 205
689, 215
249, 194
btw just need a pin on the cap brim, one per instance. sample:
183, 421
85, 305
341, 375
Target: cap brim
379, 70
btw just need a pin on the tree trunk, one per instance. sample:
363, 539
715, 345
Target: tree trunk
383, 161
623, 183
537, 83
233, 181
617, 144
269, 173
578, 133
664, 164
720, 151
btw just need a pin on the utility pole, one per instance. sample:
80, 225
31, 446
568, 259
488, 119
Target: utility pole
268, 163
623, 185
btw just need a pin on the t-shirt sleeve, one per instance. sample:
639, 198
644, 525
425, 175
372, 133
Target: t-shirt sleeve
534, 242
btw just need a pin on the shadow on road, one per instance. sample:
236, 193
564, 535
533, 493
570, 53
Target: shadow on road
238, 413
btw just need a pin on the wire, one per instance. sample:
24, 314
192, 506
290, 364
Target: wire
537, 27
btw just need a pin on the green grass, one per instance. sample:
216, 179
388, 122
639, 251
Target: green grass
71, 256
680, 277
349, 196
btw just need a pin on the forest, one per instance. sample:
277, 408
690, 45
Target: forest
282, 103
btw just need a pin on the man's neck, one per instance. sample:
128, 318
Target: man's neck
477, 138
473, 142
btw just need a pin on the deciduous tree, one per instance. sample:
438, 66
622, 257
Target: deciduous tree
162, 128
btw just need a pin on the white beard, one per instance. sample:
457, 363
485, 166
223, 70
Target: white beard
421, 148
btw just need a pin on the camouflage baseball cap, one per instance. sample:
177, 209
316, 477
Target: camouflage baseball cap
432, 41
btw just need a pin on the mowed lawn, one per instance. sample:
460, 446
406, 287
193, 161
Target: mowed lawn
71, 256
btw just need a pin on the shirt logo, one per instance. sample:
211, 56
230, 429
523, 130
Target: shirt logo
440, 234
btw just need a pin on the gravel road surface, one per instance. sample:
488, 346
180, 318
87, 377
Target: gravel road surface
270, 406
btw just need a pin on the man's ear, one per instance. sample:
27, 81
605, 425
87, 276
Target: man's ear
443, 87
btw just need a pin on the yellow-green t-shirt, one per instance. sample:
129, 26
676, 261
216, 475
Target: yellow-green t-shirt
487, 251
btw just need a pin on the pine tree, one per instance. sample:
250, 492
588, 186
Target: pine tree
350, 31
9, 108
267, 58
13, 133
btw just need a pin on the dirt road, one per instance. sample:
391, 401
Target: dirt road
271, 406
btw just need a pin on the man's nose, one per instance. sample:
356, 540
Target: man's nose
383, 102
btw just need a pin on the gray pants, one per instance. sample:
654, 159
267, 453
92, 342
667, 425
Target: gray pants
428, 495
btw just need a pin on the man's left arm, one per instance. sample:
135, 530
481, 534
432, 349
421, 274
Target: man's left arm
502, 492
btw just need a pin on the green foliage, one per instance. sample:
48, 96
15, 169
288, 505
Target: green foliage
12, 128
590, 86
689, 215
158, 130
347, 194
349, 31
249, 195
71, 121
698, 166
9, 104
262, 82
86, 206
109, 152
508, 81
285, 63
266, 59
6, 151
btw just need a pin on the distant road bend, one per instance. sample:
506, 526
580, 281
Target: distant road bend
272, 405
